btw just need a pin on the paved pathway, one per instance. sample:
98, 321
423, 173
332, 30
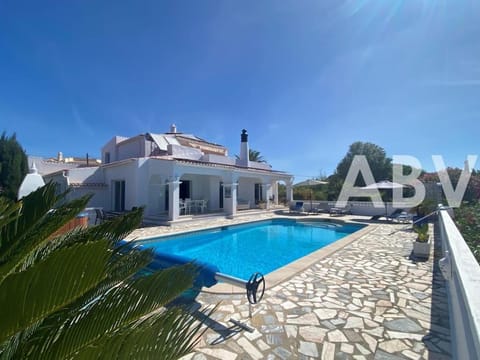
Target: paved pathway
365, 301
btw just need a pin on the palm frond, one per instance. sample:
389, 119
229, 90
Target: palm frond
113, 230
9, 348
118, 227
33, 208
67, 294
9, 212
169, 334
49, 285
119, 307
19, 252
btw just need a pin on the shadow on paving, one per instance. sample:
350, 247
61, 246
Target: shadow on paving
188, 301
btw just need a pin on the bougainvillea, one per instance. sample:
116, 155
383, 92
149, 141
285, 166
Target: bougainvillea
467, 218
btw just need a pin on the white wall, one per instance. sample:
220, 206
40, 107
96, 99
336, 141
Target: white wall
111, 147
205, 188
158, 172
218, 159
132, 148
200, 186
156, 195
214, 184
82, 176
363, 208
128, 173
86, 174
462, 274
246, 189
99, 195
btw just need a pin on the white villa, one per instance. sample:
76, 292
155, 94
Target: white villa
172, 175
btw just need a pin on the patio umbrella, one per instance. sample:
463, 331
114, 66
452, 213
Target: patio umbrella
310, 183
383, 185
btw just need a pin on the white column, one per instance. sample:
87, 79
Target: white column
289, 191
268, 194
275, 192
174, 199
230, 199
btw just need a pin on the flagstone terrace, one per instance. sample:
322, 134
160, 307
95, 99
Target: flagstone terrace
368, 300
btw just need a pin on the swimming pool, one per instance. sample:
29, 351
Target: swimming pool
264, 246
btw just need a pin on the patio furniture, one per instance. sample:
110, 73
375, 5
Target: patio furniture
197, 206
384, 185
341, 211
319, 210
310, 183
202, 205
243, 204
99, 216
297, 207
182, 207
399, 215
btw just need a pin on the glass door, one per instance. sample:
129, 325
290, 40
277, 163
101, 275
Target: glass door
119, 195
258, 193
220, 196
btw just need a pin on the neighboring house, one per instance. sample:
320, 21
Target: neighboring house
47, 166
162, 171
31, 182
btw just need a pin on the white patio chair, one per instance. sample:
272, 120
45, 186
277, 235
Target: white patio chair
182, 207
203, 205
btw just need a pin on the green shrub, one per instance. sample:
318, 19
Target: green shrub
422, 232
467, 218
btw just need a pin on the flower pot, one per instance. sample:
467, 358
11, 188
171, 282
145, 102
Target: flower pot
421, 249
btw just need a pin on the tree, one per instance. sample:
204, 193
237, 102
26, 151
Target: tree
254, 155
13, 166
472, 192
380, 165
82, 294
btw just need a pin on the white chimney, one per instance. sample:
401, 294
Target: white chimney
244, 149
60, 156
173, 129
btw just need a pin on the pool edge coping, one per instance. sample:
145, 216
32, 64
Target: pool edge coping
288, 271
242, 222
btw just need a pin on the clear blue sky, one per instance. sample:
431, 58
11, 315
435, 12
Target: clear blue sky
306, 78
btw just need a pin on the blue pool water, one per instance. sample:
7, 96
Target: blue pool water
241, 250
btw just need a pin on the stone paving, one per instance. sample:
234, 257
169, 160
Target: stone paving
368, 300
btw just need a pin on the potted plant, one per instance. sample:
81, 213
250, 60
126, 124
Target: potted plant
421, 247
262, 204
425, 208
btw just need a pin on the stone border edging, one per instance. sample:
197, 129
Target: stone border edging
288, 271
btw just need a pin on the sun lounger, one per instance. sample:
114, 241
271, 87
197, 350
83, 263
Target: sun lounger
297, 207
341, 211
399, 215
